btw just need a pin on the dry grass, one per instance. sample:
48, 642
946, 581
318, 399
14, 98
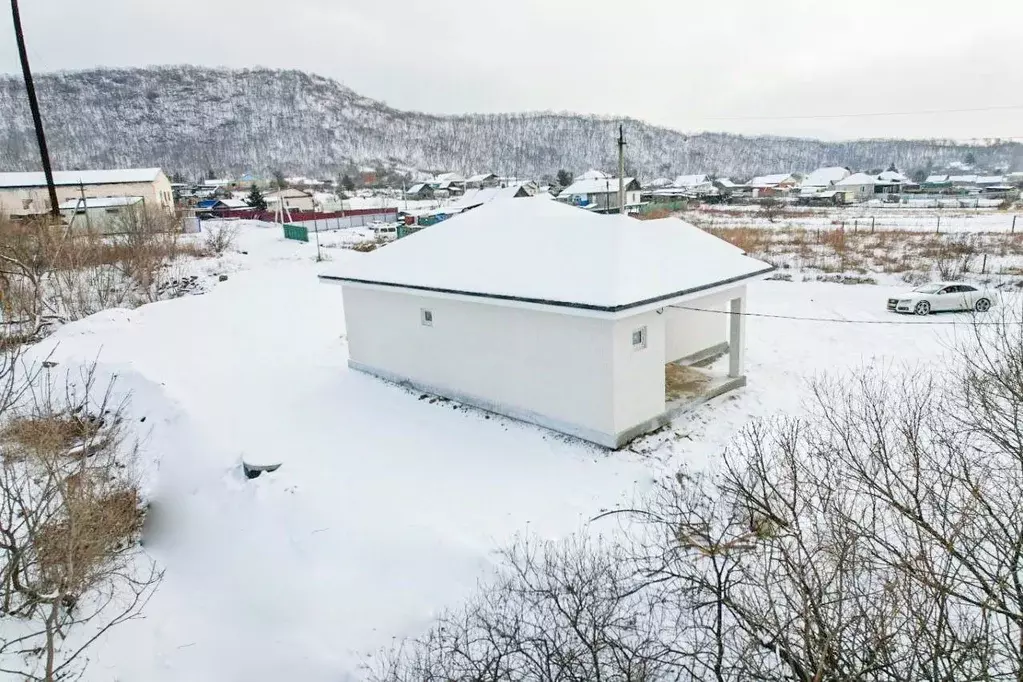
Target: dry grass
683, 382
655, 214
49, 434
950, 255
70, 548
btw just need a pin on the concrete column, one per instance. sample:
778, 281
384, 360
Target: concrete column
737, 337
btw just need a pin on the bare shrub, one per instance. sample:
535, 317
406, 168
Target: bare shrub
70, 516
771, 208
568, 611
51, 274
879, 537
219, 237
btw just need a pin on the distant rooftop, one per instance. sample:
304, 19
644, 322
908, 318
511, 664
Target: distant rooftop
80, 177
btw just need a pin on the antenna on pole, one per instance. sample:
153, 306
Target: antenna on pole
621, 169
33, 105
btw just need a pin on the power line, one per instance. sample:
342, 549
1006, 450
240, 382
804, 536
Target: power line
918, 112
842, 320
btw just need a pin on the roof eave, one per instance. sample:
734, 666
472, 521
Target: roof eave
569, 305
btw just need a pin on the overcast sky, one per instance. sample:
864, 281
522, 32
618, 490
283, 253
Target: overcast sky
737, 65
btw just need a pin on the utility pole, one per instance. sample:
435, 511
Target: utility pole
621, 169
33, 104
85, 206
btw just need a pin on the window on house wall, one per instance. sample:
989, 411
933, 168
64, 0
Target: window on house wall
26, 204
639, 339
426, 317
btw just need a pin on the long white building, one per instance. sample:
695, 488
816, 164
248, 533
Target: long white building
25, 194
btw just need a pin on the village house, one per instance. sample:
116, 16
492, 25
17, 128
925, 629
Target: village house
481, 180
419, 191
103, 215
294, 199
821, 180
25, 194
936, 183
601, 195
594, 335
592, 174
772, 185
477, 197
856, 188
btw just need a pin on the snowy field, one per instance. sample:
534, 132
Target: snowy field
387, 506
861, 218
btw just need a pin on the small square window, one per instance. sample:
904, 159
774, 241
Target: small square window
639, 339
426, 317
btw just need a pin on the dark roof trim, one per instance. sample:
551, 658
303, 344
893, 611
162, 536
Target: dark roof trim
559, 304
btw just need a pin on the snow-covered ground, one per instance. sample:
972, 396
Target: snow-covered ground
861, 217
388, 506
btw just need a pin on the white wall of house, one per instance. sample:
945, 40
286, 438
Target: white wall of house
36, 200
638, 372
530, 364
689, 331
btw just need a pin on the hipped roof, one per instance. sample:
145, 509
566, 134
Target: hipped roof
540, 251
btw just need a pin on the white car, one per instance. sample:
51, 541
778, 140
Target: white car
941, 296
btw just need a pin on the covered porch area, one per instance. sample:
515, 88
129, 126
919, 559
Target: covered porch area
716, 327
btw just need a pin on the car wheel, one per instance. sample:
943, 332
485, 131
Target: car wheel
982, 306
922, 308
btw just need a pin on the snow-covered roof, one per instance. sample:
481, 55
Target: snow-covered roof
964, 179
770, 180
448, 177
657, 182
416, 189
857, 179
892, 176
725, 182
595, 186
99, 202
825, 177
545, 252
481, 177
990, 179
592, 174
475, 197
234, 203
690, 180
82, 177
935, 179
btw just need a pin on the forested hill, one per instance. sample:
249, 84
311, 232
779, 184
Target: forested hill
191, 120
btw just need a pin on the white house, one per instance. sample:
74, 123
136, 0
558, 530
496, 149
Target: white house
857, 187
23, 194
822, 179
585, 324
601, 195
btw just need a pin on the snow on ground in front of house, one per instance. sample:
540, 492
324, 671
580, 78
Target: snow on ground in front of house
387, 507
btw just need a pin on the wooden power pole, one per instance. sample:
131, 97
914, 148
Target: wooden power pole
33, 104
621, 169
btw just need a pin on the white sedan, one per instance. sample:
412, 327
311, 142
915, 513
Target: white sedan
942, 296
